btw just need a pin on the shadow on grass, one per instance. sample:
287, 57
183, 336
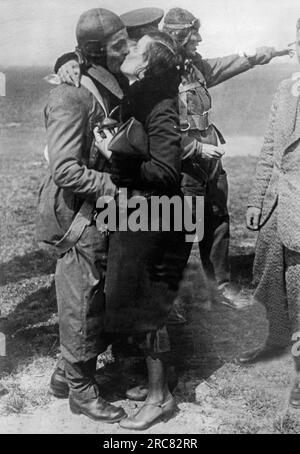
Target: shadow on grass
199, 348
26, 266
31, 328
193, 358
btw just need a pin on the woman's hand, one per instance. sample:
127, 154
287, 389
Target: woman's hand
102, 141
252, 218
70, 73
212, 151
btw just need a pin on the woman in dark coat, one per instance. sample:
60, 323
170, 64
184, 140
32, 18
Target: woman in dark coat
144, 267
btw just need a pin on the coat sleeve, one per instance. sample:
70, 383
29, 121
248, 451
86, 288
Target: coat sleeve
67, 119
218, 70
163, 170
265, 163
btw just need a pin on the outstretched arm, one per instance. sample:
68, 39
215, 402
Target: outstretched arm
218, 70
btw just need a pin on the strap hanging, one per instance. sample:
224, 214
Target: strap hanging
91, 87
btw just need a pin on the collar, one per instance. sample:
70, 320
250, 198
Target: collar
188, 65
105, 78
192, 73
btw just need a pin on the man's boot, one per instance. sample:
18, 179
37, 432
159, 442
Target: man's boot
230, 296
96, 408
295, 393
59, 386
84, 398
265, 352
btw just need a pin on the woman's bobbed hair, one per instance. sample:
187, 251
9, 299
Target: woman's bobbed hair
164, 60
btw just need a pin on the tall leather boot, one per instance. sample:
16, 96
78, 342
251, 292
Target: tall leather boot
59, 385
84, 395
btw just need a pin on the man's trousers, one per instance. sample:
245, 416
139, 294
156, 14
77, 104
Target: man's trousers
277, 275
214, 248
79, 281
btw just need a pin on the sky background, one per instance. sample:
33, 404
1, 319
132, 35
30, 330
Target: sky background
35, 32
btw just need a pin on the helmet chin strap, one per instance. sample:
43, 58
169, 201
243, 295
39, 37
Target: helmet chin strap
81, 58
188, 37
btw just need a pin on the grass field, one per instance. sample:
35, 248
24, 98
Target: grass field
214, 394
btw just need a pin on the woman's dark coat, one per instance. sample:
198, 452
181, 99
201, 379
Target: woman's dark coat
144, 267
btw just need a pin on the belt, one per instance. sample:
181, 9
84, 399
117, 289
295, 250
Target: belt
201, 122
82, 219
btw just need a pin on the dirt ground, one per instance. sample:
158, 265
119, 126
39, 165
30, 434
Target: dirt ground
214, 395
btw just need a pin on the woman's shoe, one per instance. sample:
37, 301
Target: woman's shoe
162, 412
139, 393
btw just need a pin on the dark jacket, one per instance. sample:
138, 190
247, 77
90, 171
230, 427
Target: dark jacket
154, 104
205, 73
144, 268
77, 172
195, 104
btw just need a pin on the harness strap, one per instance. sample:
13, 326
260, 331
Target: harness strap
192, 121
187, 87
183, 109
82, 219
220, 135
200, 122
91, 87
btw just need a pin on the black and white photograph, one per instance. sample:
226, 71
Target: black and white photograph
149, 219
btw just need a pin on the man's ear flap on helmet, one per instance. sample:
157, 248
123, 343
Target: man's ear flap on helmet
93, 48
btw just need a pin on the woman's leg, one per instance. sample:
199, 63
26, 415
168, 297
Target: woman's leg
157, 379
160, 404
140, 392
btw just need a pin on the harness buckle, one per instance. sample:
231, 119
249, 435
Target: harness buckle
182, 129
